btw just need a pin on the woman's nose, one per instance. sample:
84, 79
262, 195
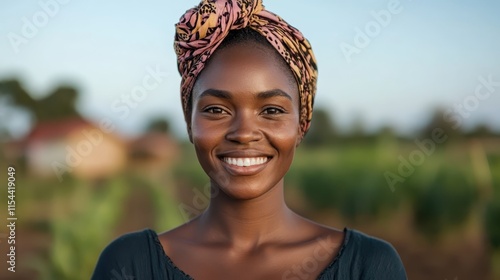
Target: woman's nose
244, 128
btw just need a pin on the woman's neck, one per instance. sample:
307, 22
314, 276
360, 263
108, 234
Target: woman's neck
247, 223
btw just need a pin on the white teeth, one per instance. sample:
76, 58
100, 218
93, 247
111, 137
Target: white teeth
245, 161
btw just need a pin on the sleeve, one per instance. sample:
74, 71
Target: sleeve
123, 259
381, 261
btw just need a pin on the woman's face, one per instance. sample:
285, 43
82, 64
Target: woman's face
245, 120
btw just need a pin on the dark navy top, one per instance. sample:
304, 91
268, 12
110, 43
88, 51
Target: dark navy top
140, 255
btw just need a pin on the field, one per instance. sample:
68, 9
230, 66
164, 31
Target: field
439, 207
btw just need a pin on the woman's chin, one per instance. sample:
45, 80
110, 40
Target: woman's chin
243, 192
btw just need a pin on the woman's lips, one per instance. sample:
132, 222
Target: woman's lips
245, 161
244, 166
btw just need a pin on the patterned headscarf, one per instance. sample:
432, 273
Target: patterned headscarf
203, 28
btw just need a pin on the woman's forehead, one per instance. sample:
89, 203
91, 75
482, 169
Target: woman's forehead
248, 67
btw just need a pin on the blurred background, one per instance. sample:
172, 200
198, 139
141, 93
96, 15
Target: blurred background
404, 144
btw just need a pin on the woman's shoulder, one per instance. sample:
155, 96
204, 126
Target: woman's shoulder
124, 256
369, 255
128, 244
370, 246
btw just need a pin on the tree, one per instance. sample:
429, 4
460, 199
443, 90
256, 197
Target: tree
481, 130
158, 124
439, 120
357, 128
322, 131
59, 104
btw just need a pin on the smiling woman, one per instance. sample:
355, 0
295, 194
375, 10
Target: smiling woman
248, 84
245, 109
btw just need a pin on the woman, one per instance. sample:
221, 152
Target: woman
248, 83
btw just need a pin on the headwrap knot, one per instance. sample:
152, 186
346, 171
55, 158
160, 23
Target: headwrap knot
203, 28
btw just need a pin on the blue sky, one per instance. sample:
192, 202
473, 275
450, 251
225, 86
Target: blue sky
428, 54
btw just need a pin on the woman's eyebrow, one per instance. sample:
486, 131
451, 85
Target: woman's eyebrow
261, 95
273, 93
216, 93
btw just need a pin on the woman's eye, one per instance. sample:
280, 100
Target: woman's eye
214, 110
273, 111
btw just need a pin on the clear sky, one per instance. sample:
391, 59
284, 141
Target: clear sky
386, 61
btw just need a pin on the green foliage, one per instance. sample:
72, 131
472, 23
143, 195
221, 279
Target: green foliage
438, 121
165, 205
492, 212
346, 179
322, 131
158, 124
444, 203
353, 192
58, 104
188, 171
83, 223
349, 179
492, 222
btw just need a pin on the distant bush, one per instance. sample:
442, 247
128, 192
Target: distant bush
347, 180
445, 202
492, 214
82, 224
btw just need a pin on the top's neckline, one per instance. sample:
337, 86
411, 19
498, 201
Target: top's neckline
170, 263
